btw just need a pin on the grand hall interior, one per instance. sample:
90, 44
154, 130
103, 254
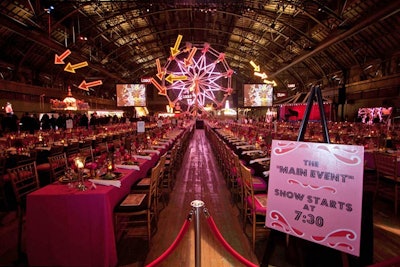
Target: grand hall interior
200, 133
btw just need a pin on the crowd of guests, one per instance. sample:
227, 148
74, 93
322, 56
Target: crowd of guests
30, 122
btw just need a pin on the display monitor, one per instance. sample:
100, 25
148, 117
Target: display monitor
131, 95
375, 114
258, 95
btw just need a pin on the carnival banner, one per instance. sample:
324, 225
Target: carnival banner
315, 193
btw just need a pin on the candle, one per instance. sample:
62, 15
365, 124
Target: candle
78, 163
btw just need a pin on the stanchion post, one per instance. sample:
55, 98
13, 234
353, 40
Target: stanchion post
197, 204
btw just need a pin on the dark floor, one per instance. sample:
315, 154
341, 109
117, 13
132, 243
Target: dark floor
200, 178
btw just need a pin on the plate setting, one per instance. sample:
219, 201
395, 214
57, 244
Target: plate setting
111, 176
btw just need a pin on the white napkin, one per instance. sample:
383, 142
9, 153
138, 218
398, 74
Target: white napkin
266, 173
258, 160
245, 146
48, 148
127, 167
152, 151
115, 183
142, 157
163, 143
238, 143
161, 146
251, 151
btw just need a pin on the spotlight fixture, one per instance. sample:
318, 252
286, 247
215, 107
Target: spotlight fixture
48, 10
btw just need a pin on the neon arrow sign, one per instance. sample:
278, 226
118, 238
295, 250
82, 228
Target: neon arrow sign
175, 49
72, 68
161, 89
256, 67
85, 86
160, 73
59, 59
171, 78
188, 61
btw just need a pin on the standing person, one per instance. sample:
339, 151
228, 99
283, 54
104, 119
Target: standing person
69, 122
84, 121
35, 123
26, 122
61, 121
53, 122
93, 120
45, 122
7, 121
9, 110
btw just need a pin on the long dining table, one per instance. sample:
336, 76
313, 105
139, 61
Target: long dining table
68, 227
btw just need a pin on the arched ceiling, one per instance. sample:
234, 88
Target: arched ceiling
293, 41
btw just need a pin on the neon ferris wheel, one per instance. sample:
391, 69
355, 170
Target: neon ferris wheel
194, 77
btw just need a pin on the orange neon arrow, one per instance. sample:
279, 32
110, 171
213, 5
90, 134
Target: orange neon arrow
160, 73
256, 67
188, 61
85, 86
175, 49
172, 78
72, 68
59, 59
262, 75
162, 90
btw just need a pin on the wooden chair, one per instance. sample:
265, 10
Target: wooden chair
160, 185
130, 214
100, 149
72, 149
143, 185
87, 152
58, 166
255, 206
3, 195
32, 157
44, 169
24, 180
234, 184
388, 181
85, 143
171, 167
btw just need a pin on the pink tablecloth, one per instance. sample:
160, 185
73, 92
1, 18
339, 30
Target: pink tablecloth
66, 227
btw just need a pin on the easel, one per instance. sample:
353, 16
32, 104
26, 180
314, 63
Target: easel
294, 244
315, 92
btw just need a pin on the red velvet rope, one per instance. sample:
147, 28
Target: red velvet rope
239, 257
178, 239
391, 262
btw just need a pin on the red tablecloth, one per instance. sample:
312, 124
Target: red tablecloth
67, 227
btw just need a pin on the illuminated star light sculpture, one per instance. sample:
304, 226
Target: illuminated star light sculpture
194, 77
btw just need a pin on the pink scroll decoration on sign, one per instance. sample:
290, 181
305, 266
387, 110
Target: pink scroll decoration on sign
279, 220
338, 238
312, 187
